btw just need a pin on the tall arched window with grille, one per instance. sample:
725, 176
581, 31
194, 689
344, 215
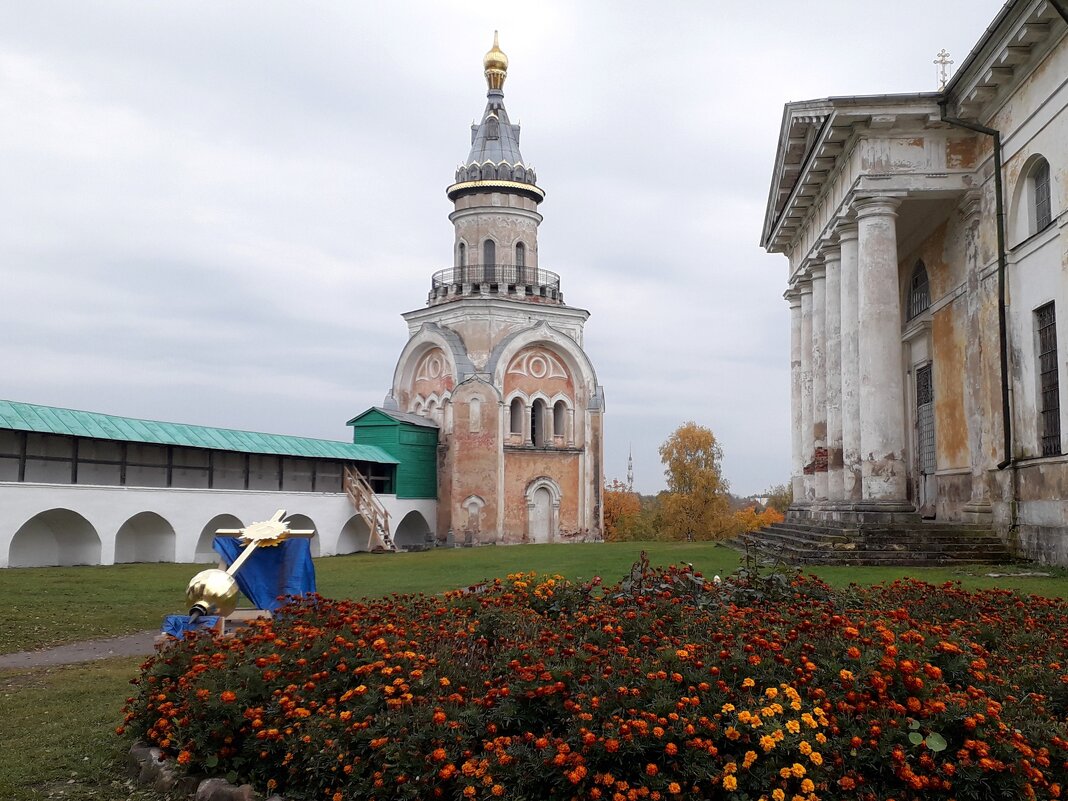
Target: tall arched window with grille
515, 421
1041, 205
919, 291
520, 262
489, 259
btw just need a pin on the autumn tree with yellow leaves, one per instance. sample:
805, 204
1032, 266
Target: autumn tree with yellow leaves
696, 505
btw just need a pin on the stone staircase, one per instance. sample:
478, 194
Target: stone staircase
918, 545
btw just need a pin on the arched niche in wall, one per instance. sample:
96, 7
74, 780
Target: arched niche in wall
57, 537
145, 537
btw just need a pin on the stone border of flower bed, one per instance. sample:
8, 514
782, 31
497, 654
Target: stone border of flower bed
146, 765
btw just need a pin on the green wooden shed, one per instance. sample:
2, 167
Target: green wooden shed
410, 439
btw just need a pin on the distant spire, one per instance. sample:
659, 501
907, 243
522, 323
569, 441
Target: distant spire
630, 469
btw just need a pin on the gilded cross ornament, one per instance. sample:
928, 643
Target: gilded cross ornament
942, 60
214, 591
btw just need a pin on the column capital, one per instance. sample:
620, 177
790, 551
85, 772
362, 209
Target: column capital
803, 284
831, 251
876, 206
847, 231
793, 297
818, 270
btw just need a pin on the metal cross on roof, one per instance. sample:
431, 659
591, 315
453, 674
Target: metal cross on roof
943, 61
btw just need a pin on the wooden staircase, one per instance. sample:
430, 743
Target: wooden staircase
367, 505
924, 544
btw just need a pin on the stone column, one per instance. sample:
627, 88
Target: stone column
808, 456
978, 508
832, 262
797, 474
819, 378
882, 411
851, 482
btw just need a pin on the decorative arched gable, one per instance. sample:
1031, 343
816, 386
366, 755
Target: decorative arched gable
433, 361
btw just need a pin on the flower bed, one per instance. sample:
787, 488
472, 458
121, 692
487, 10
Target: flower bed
661, 687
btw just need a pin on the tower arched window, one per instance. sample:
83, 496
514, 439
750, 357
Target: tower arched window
520, 262
463, 254
1041, 205
537, 423
559, 419
493, 128
919, 291
489, 259
515, 416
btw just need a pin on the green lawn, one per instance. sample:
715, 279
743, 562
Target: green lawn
50, 606
56, 723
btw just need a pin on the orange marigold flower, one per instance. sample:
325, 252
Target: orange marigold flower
730, 783
227, 696
674, 788
651, 769
671, 749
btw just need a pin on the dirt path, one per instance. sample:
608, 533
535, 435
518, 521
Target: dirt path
139, 644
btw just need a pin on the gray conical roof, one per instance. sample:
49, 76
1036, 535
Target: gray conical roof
494, 154
495, 139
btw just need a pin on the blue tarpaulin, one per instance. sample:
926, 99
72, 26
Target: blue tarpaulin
283, 569
178, 625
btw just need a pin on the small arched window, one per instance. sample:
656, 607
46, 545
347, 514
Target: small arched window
537, 423
559, 419
493, 128
515, 416
463, 254
520, 254
1041, 207
919, 291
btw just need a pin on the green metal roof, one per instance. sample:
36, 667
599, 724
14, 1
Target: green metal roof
73, 423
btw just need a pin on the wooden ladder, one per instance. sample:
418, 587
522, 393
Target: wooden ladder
371, 509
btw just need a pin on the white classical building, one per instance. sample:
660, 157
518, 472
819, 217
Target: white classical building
928, 289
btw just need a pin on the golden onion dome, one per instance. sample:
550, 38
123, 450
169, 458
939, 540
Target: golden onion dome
496, 65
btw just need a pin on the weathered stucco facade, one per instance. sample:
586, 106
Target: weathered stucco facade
496, 360
905, 404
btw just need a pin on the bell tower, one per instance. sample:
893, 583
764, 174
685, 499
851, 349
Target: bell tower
495, 359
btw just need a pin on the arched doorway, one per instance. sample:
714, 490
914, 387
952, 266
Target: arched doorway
543, 510
145, 537
412, 531
204, 552
353, 536
58, 537
304, 523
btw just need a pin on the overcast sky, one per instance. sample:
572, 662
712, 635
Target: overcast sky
215, 212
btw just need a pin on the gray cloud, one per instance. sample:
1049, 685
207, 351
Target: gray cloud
215, 213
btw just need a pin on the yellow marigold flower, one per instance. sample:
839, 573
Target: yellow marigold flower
821, 738
816, 758
747, 683
809, 721
805, 747
750, 758
778, 736
730, 767
808, 786
727, 708
732, 733
793, 726
798, 770
771, 692
744, 716
795, 705
785, 773
730, 783
777, 794
767, 742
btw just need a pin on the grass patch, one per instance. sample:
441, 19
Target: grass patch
57, 605
57, 730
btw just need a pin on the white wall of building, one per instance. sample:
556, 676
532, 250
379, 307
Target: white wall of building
64, 524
